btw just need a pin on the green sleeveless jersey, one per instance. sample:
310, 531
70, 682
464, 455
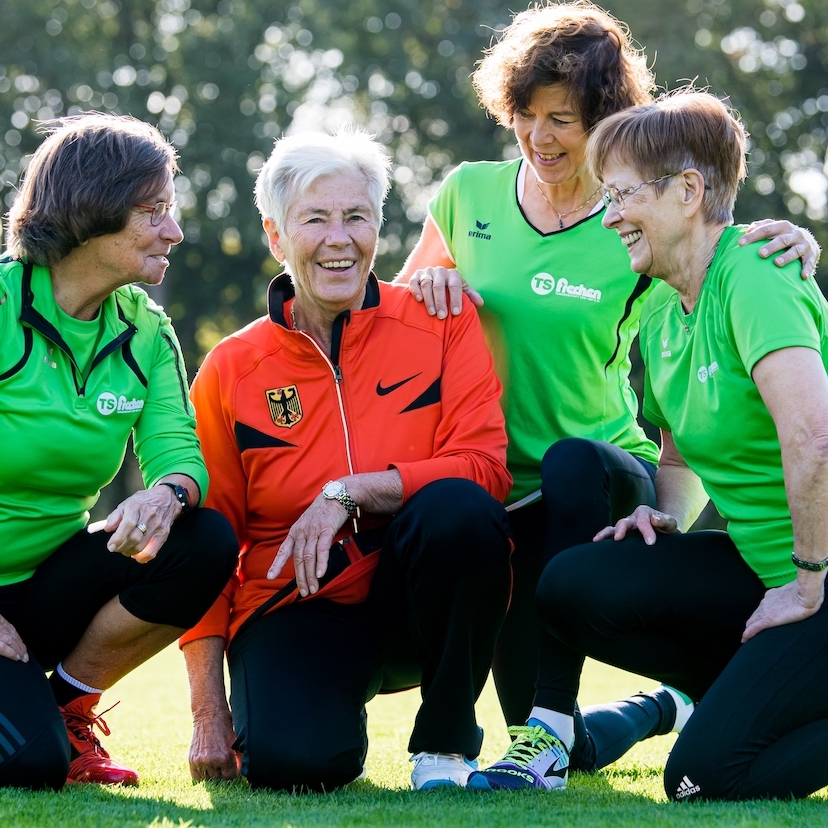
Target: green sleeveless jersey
699, 386
561, 312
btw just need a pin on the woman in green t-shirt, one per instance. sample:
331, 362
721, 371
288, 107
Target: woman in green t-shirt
561, 312
736, 358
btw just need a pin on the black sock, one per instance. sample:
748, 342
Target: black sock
63, 691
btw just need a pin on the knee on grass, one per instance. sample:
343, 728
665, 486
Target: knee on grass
302, 771
41, 762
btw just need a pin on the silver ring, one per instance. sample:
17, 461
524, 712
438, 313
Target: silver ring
142, 528
426, 279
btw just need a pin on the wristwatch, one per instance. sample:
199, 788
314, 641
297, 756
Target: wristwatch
335, 490
180, 495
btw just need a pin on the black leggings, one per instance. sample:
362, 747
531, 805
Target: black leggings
675, 612
52, 610
301, 675
586, 485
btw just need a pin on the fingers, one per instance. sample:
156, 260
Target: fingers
605, 534
141, 524
421, 286
282, 557
474, 296
437, 288
310, 562
11, 644
644, 520
789, 240
456, 287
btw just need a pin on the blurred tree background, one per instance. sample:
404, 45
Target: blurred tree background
223, 78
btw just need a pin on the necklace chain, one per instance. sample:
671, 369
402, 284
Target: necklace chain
562, 216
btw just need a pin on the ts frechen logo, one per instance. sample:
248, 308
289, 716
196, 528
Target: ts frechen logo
285, 406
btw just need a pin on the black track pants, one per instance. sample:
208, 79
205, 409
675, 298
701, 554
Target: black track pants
586, 486
301, 675
676, 612
52, 610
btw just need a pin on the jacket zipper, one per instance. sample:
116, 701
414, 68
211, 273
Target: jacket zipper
336, 373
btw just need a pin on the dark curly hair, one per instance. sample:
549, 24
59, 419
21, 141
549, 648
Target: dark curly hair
82, 182
575, 44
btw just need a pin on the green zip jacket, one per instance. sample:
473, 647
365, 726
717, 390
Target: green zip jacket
65, 420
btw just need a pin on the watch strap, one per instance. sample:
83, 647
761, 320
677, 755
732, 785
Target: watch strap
180, 495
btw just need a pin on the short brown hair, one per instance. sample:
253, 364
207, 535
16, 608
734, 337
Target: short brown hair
82, 182
575, 44
681, 130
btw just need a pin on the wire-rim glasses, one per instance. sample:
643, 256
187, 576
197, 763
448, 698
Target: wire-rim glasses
157, 211
615, 196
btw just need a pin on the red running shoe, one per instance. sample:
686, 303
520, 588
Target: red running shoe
91, 763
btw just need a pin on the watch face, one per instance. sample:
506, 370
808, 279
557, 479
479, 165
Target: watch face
332, 489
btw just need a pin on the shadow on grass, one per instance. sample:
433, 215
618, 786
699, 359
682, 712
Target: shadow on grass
601, 800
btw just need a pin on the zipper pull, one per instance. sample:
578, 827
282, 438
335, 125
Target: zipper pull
337, 375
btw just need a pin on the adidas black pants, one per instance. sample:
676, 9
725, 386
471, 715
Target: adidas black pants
301, 675
675, 612
52, 610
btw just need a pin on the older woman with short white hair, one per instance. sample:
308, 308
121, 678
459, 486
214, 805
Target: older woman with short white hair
347, 421
736, 359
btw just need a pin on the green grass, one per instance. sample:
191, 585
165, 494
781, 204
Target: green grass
151, 731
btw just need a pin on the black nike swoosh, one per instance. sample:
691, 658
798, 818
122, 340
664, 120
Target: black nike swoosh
560, 772
387, 390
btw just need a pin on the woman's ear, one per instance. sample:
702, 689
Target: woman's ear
692, 188
273, 238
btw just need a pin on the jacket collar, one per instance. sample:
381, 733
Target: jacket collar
281, 290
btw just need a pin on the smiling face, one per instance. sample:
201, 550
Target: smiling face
650, 226
328, 243
551, 135
139, 252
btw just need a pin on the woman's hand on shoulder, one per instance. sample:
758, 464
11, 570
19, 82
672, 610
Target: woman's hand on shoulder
795, 243
11, 644
439, 287
646, 520
783, 605
141, 524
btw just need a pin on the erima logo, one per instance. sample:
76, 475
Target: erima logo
544, 283
707, 371
108, 404
666, 351
686, 788
479, 234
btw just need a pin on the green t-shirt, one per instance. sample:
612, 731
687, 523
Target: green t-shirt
65, 420
561, 311
698, 385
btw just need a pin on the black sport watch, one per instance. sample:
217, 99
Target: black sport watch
180, 495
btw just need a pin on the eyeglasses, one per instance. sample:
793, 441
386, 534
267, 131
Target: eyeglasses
615, 196
158, 210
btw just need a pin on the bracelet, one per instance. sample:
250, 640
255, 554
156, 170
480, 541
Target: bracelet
811, 566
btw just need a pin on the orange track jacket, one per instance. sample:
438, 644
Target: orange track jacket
278, 418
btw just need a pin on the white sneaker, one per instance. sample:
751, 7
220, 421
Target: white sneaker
440, 770
684, 708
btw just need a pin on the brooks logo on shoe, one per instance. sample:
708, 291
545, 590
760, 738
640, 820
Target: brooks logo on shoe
537, 758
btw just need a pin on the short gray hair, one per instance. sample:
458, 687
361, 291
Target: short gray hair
299, 160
